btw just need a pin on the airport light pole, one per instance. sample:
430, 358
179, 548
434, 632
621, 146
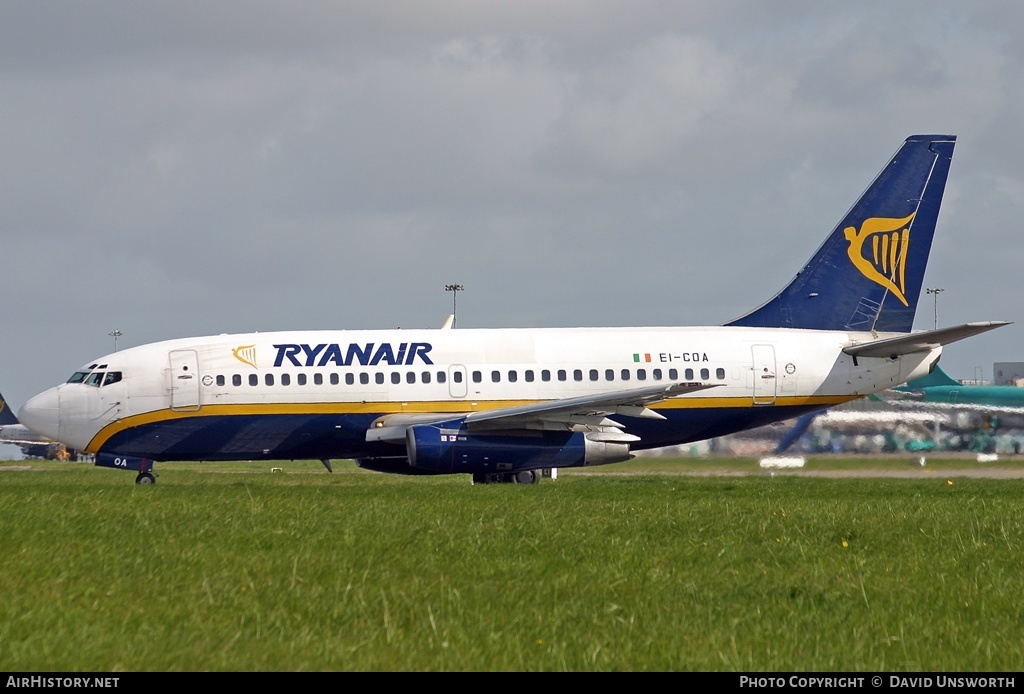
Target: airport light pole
935, 292
454, 289
115, 334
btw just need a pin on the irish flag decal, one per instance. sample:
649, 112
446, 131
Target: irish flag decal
641, 357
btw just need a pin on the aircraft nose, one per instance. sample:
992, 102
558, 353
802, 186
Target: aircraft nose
41, 414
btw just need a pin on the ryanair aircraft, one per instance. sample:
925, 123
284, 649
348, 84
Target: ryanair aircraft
504, 404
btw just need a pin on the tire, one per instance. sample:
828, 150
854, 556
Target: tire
527, 477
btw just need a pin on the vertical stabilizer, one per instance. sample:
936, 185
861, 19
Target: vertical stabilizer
937, 377
7, 415
868, 273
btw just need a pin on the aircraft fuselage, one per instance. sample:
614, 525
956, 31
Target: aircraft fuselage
315, 395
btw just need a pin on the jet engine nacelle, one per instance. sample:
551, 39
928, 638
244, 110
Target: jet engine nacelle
439, 448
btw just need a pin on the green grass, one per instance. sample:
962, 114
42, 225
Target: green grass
227, 567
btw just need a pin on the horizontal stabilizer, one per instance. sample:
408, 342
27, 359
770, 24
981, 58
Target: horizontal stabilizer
920, 342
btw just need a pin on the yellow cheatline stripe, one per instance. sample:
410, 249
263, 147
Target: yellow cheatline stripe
446, 406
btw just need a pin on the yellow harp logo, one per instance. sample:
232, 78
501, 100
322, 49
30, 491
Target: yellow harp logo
246, 354
879, 251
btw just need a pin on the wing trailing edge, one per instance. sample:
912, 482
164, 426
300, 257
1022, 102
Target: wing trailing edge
584, 411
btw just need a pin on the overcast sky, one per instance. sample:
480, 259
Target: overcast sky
186, 168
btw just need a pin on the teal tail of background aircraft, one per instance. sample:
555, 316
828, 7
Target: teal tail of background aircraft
504, 404
938, 387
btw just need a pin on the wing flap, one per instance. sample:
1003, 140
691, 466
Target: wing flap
582, 410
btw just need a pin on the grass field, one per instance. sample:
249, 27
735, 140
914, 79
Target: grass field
229, 567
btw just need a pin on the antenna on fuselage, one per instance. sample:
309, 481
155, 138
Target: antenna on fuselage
454, 289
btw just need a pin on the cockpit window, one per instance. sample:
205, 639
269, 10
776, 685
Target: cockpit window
78, 377
95, 379
112, 377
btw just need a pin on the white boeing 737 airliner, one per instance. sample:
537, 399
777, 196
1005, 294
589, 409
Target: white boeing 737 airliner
504, 404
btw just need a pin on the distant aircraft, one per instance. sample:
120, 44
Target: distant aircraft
503, 405
938, 387
933, 398
12, 431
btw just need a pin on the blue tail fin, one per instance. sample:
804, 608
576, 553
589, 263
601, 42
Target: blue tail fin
868, 273
7, 415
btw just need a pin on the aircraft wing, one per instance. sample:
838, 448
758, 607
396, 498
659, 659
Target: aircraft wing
921, 341
587, 409
567, 413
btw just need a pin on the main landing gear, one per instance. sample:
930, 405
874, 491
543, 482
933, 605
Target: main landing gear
521, 477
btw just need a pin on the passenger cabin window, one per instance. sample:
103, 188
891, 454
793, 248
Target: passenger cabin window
286, 380
609, 374
513, 376
269, 379
236, 380
254, 380
477, 377
221, 380
577, 374
364, 378
625, 374
441, 377
495, 376
705, 374
334, 379
378, 378
318, 379
301, 379
720, 373
350, 379
528, 374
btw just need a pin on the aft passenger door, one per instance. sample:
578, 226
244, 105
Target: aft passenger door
184, 379
764, 385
